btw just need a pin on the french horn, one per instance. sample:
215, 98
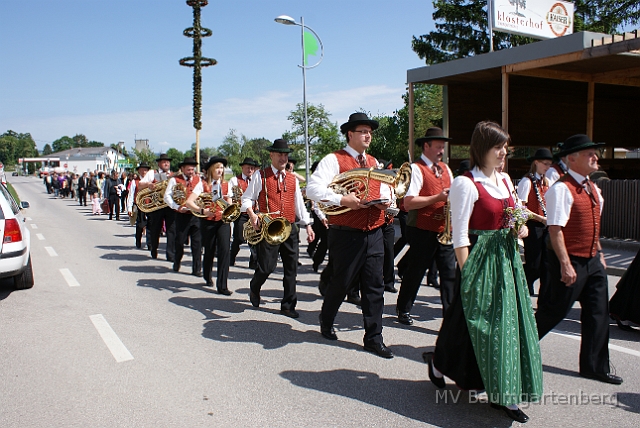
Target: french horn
273, 230
230, 212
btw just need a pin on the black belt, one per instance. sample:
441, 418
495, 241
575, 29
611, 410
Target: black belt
350, 229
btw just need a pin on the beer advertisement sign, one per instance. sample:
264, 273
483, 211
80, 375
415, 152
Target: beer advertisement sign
544, 19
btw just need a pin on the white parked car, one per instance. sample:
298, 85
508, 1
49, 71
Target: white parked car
15, 247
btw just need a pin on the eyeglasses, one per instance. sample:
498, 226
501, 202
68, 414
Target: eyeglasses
363, 131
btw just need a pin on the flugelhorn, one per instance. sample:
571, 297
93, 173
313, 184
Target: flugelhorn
357, 181
273, 230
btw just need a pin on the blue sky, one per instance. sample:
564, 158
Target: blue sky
109, 69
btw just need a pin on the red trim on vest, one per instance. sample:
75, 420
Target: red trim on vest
242, 183
188, 186
488, 212
279, 199
582, 231
206, 188
432, 217
558, 168
366, 218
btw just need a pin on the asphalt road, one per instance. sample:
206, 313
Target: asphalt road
109, 337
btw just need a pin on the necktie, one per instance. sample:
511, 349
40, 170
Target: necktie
436, 170
589, 189
362, 161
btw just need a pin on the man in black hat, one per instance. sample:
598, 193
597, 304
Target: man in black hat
187, 225
356, 248
278, 194
238, 184
576, 262
141, 217
164, 215
426, 201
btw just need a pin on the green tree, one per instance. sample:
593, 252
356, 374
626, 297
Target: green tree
176, 158
62, 143
46, 150
146, 156
231, 149
255, 148
205, 152
79, 140
461, 27
14, 146
324, 135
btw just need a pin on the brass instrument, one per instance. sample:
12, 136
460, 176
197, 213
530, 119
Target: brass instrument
357, 181
237, 195
230, 212
445, 237
273, 230
149, 200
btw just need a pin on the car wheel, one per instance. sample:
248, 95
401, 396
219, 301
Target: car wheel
25, 279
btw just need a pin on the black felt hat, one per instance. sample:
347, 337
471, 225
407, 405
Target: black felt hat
433, 133
162, 157
280, 146
575, 143
358, 119
213, 160
188, 161
143, 165
465, 166
541, 154
248, 161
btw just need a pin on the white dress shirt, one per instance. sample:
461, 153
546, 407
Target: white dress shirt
524, 187
559, 201
463, 196
327, 169
168, 194
233, 181
255, 187
553, 175
416, 176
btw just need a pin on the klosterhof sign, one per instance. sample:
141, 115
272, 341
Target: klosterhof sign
543, 19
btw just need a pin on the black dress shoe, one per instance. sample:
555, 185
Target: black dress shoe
623, 327
198, 274
226, 291
434, 285
404, 318
380, 349
603, 377
327, 332
176, 267
209, 283
437, 381
154, 255
255, 299
517, 414
390, 288
291, 313
355, 300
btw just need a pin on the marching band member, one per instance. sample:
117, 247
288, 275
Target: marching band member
576, 264
186, 223
241, 181
488, 338
531, 190
426, 201
141, 217
278, 194
166, 214
356, 248
216, 233
558, 169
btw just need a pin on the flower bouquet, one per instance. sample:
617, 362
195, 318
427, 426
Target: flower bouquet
515, 217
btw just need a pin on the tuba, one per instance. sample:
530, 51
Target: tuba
357, 181
149, 200
445, 237
273, 230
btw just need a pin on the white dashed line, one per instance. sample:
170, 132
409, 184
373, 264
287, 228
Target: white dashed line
51, 251
40, 236
68, 276
111, 339
612, 347
34, 226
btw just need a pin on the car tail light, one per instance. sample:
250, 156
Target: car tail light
12, 231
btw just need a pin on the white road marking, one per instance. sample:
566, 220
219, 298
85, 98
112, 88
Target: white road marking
68, 276
111, 339
40, 236
51, 251
28, 218
34, 226
612, 347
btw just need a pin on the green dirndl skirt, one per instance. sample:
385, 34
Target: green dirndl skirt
500, 320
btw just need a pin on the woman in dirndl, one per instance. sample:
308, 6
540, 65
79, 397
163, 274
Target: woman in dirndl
489, 339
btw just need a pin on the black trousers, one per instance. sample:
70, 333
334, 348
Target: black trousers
141, 223
216, 240
591, 290
388, 267
155, 220
424, 249
238, 240
82, 197
188, 225
356, 255
318, 247
266, 264
114, 206
353, 290
535, 256
402, 241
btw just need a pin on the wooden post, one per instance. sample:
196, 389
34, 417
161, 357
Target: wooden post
411, 122
198, 150
445, 122
505, 109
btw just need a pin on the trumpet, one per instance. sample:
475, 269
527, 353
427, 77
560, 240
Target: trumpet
445, 237
230, 212
273, 230
357, 181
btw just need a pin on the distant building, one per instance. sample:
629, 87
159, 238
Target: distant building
142, 145
81, 159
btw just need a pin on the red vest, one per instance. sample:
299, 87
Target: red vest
188, 186
558, 168
206, 186
281, 196
582, 231
432, 217
242, 183
366, 218
488, 212
137, 181
532, 200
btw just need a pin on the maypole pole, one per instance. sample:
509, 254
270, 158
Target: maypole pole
197, 61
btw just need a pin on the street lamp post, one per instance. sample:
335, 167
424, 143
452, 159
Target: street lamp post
287, 20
